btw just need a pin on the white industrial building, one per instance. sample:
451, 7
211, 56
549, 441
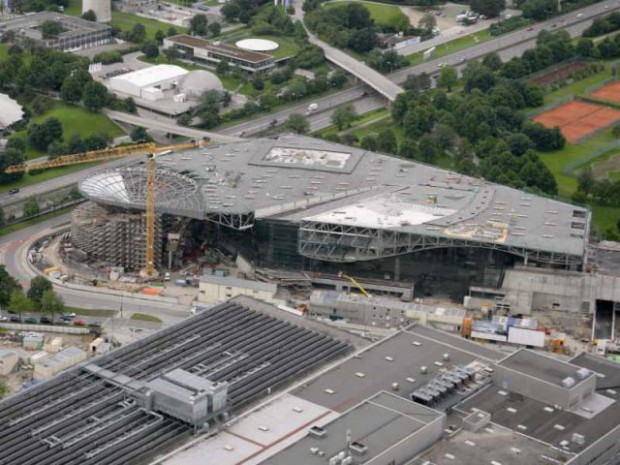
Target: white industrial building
149, 83
10, 111
217, 289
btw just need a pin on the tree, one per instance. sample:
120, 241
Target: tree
519, 144
90, 15
428, 23
492, 61
338, 79
31, 207
448, 77
150, 49
38, 285
586, 181
137, 33
386, 142
539, 9
19, 303
95, 96
8, 284
42, 135
51, 29
222, 68
585, 48
488, 8
343, 116
215, 29
297, 123
51, 303
230, 11
131, 105
73, 86
198, 25
159, 37
2, 219
139, 134
172, 53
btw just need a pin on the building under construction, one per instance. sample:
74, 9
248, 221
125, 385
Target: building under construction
302, 203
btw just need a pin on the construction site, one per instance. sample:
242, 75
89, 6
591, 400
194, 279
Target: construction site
340, 234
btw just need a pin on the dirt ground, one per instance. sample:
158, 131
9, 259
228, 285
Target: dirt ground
578, 119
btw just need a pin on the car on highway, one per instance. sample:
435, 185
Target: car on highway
13, 191
441, 65
579, 15
530, 28
365, 93
79, 323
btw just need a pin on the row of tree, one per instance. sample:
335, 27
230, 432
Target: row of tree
39, 297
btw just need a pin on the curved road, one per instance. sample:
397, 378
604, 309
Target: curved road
13, 250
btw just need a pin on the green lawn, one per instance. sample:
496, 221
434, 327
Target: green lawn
89, 312
145, 317
74, 8
4, 52
453, 46
287, 45
381, 13
75, 120
577, 88
126, 21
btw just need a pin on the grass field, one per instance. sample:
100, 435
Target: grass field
75, 120
381, 13
145, 317
287, 45
88, 312
453, 46
74, 8
4, 52
126, 21
29, 179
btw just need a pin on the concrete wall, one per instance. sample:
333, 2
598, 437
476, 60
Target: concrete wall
211, 293
540, 390
605, 451
8, 360
529, 289
411, 446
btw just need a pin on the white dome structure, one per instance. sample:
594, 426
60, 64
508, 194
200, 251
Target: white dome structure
257, 45
198, 82
102, 9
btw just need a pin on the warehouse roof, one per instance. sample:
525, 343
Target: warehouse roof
236, 282
152, 75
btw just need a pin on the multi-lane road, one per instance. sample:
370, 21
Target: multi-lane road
507, 46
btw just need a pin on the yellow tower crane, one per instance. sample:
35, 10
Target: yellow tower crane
149, 149
355, 283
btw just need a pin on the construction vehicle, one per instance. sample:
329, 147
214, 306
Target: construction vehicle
355, 283
149, 149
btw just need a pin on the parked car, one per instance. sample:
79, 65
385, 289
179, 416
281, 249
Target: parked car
79, 323
31, 320
67, 316
62, 322
15, 319
94, 324
13, 191
45, 320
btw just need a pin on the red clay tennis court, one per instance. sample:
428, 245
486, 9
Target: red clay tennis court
609, 92
577, 119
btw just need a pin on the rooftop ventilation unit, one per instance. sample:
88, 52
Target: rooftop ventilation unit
446, 357
317, 432
583, 373
423, 370
358, 448
568, 382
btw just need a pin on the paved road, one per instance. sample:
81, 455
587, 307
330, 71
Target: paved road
508, 46
170, 127
13, 248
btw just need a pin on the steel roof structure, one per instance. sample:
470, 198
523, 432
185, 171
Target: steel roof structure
93, 414
351, 204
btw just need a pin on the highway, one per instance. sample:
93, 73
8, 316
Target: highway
508, 46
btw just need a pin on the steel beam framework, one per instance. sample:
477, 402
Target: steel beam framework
342, 243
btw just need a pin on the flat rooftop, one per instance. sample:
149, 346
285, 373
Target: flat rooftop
29, 24
496, 443
378, 423
543, 422
222, 49
313, 182
607, 372
542, 367
393, 360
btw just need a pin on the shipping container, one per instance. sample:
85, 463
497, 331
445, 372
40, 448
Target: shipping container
526, 337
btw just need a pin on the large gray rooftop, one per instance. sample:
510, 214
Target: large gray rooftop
29, 25
378, 423
314, 182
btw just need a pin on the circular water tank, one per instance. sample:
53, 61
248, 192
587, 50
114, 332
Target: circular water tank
257, 45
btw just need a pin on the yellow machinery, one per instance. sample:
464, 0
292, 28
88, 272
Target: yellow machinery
108, 154
354, 281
